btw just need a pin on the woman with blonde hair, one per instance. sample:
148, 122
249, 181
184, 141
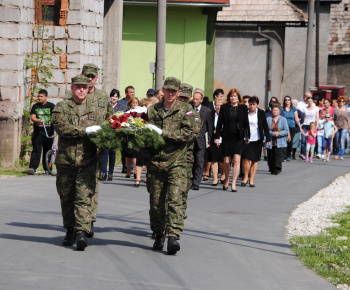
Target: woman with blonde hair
233, 127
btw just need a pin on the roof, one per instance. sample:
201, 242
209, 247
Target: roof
261, 11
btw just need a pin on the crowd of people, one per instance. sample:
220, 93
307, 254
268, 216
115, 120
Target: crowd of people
202, 138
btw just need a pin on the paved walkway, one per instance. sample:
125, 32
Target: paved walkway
231, 240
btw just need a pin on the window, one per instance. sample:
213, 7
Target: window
47, 12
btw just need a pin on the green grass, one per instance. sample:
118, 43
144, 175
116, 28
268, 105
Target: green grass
328, 253
19, 170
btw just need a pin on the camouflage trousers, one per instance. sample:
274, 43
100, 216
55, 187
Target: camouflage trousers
185, 192
166, 187
76, 187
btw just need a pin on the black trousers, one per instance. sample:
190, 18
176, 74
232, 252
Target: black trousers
275, 158
198, 165
40, 144
289, 149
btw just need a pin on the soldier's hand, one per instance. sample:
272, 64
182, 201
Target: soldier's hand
155, 128
92, 129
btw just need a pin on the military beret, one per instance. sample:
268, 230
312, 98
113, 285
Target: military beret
90, 69
172, 84
80, 80
186, 90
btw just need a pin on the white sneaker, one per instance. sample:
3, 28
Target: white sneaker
327, 159
318, 156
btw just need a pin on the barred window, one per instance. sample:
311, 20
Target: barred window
47, 12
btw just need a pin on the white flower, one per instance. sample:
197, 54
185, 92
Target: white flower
124, 124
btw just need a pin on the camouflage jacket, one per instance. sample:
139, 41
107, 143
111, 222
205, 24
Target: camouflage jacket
74, 145
179, 128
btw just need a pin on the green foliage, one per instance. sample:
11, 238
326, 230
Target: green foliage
328, 253
40, 65
125, 138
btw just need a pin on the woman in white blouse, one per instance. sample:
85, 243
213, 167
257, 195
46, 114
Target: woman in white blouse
253, 147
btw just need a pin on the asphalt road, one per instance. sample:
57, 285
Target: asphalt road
231, 240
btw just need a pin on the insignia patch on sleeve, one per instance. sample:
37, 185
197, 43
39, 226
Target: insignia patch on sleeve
190, 113
196, 119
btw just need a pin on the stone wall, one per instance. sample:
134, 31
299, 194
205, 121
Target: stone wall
81, 40
16, 22
339, 31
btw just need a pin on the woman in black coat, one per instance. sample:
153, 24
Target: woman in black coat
252, 150
233, 127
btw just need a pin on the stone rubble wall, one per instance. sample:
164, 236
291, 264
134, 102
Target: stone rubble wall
339, 32
81, 40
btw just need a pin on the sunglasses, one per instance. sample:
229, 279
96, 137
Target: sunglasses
327, 117
341, 101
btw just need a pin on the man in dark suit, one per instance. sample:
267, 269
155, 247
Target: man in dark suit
201, 142
217, 93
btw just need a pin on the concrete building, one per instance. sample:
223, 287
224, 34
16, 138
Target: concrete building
244, 60
91, 31
75, 27
339, 45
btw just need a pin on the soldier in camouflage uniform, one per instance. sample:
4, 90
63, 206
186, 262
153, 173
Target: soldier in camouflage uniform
167, 171
77, 158
90, 70
185, 96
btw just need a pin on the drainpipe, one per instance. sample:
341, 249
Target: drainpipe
160, 46
269, 68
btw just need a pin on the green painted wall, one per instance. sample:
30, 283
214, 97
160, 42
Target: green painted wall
186, 47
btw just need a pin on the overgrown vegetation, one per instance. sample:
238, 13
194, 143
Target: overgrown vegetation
39, 63
329, 252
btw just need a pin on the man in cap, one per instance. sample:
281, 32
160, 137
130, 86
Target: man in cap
90, 70
185, 96
74, 120
150, 93
167, 171
201, 142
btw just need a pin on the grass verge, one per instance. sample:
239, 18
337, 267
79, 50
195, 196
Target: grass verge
19, 170
328, 253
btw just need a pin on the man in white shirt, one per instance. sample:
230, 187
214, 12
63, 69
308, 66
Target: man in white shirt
303, 104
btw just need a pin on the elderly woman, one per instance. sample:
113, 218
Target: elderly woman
279, 131
252, 150
341, 120
215, 156
232, 126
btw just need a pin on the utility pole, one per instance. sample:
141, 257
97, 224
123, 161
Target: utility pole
317, 64
307, 82
161, 38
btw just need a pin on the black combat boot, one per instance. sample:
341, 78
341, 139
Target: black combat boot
110, 177
91, 234
103, 176
159, 242
69, 239
81, 241
173, 245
